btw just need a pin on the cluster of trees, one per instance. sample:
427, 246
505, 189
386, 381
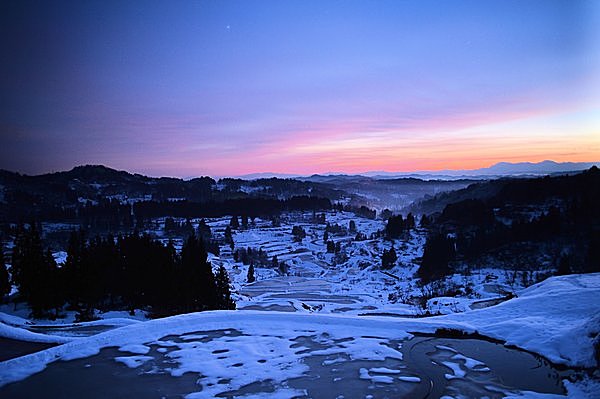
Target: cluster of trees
437, 254
252, 256
35, 272
186, 228
333, 247
474, 240
361, 211
258, 257
276, 187
105, 215
253, 207
478, 233
102, 215
386, 214
397, 226
129, 272
234, 223
173, 227
570, 229
469, 212
335, 229
360, 236
299, 233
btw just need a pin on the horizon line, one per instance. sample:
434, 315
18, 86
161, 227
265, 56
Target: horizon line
368, 173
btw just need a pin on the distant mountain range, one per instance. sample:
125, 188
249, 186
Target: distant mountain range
42, 196
23, 196
499, 192
500, 169
524, 168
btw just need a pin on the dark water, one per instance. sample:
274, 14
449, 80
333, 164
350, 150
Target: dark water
11, 348
72, 331
101, 376
329, 376
509, 369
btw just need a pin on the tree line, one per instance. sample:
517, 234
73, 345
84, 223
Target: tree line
468, 230
253, 207
128, 272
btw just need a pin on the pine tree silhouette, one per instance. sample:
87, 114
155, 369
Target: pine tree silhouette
250, 276
4, 280
224, 300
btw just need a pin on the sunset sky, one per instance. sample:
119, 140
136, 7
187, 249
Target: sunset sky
233, 87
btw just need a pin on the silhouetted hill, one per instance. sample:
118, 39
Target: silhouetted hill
524, 224
523, 191
97, 182
65, 195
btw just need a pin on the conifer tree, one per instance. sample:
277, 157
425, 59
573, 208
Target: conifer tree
389, 258
204, 231
410, 221
592, 259
197, 279
4, 280
283, 269
330, 246
188, 229
27, 260
298, 233
251, 277
563, 266
229, 237
51, 295
34, 271
73, 268
352, 226
224, 300
437, 253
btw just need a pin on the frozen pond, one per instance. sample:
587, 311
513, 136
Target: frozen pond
286, 285
72, 330
11, 348
228, 363
293, 293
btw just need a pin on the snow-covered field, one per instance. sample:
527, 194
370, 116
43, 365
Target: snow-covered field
351, 282
229, 350
332, 318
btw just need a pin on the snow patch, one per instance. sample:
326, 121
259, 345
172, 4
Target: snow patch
409, 379
135, 348
457, 372
133, 361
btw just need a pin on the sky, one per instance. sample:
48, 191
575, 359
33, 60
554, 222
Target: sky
227, 88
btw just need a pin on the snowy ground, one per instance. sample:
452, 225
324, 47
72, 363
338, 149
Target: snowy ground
351, 282
272, 351
324, 321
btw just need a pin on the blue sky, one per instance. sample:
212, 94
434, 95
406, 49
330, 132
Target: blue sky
234, 87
